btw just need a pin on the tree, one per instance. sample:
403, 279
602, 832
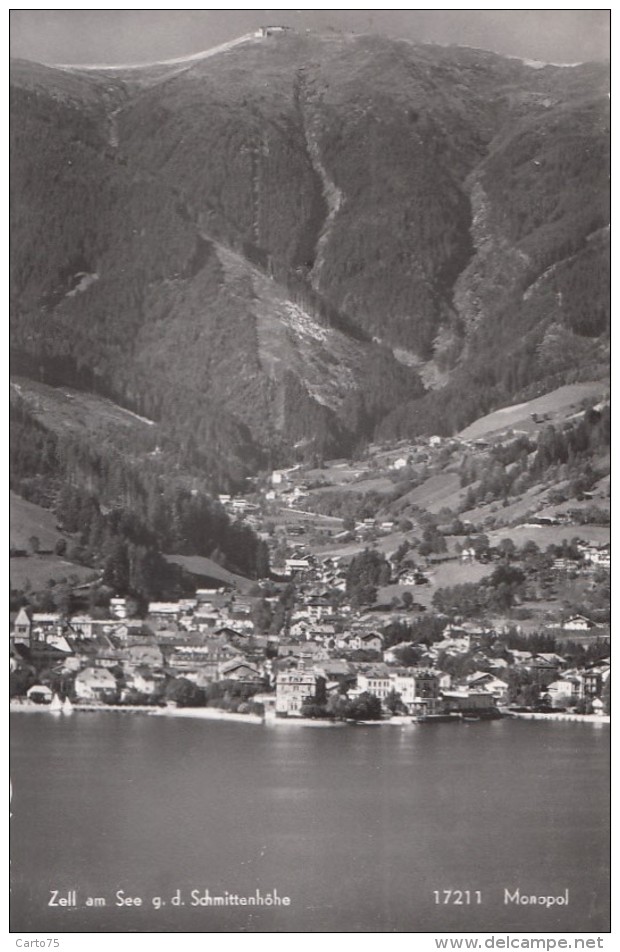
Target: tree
530, 551
523, 687
583, 706
401, 552
367, 570
407, 599
262, 560
366, 707
313, 710
116, 568
62, 598
394, 702
262, 616
20, 681
363, 595
606, 696
34, 544
337, 706
481, 546
409, 656
507, 548
184, 692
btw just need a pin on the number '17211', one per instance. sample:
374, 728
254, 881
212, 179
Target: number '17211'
457, 897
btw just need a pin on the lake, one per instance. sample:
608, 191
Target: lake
360, 828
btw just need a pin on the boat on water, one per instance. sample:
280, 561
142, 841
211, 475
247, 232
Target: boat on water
454, 718
56, 705
67, 706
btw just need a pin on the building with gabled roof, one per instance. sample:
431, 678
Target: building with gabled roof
22, 626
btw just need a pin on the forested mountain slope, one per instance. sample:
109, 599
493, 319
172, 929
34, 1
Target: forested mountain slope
306, 241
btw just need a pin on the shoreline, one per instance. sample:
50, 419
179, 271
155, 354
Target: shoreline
217, 714
561, 716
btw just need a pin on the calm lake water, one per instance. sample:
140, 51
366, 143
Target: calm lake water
357, 826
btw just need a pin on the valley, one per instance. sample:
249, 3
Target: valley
310, 434
377, 593
425, 496
317, 322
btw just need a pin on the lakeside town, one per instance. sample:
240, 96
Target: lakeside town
419, 613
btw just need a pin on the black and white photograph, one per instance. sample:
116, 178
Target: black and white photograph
310, 474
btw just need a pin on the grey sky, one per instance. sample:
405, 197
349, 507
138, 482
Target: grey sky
134, 36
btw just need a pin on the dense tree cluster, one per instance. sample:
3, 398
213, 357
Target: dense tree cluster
513, 468
121, 517
366, 572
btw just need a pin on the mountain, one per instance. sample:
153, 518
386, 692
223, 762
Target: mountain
298, 242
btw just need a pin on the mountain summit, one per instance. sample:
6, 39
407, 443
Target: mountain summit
296, 242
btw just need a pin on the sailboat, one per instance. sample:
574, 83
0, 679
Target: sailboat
67, 706
56, 704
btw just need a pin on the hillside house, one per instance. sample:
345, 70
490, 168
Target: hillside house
565, 565
163, 611
242, 606
83, 625
146, 653
95, 684
289, 649
299, 627
468, 702
322, 631
390, 655
22, 627
484, 681
216, 597
297, 566
199, 659
418, 689
118, 607
550, 657
376, 681
594, 680
578, 623
43, 623
239, 670
596, 555
366, 641
305, 653
130, 630
335, 669
39, 693
143, 679
266, 31
564, 692
453, 646
60, 642
317, 608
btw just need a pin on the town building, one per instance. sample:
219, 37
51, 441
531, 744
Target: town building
296, 688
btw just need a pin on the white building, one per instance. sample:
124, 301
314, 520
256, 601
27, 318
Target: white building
294, 689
